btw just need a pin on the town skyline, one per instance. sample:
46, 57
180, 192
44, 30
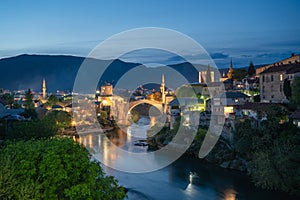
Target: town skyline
245, 31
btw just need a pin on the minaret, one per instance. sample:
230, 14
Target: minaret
230, 72
162, 90
44, 89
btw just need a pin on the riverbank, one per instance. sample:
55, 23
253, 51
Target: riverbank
221, 155
188, 176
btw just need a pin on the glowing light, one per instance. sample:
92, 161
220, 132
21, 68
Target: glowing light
73, 123
230, 194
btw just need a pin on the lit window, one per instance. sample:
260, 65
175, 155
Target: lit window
236, 100
281, 77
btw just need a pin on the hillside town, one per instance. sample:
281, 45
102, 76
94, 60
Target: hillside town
256, 108
232, 97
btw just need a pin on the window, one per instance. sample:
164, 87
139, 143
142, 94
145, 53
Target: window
263, 78
280, 88
263, 89
281, 77
272, 78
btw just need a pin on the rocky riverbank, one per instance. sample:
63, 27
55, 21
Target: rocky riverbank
221, 155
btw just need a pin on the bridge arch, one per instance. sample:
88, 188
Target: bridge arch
156, 104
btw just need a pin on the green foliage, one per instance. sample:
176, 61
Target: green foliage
44, 128
52, 100
295, 97
273, 151
185, 91
29, 113
53, 169
103, 118
29, 106
28, 100
277, 166
9, 98
61, 118
251, 69
239, 74
103, 114
198, 140
243, 140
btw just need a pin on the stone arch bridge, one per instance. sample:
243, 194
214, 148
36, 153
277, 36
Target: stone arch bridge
154, 103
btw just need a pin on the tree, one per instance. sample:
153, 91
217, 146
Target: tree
53, 169
277, 166
28, 100
251, 69
272, 151
29, 106
44, 128
61, 118
239, 74
295, 97
52, 100
185, 91
10, 99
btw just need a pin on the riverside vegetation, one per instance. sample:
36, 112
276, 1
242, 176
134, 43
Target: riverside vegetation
37, 164
269, 154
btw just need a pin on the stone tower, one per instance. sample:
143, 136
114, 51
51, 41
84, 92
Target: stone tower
44, 89
230, 72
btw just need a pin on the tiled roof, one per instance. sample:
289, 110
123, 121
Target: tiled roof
295, 115
288, 68
3, 102
231, 95
255, 106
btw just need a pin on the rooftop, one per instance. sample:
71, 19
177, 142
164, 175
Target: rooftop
232, 95
255, 106
295, 115
288, 68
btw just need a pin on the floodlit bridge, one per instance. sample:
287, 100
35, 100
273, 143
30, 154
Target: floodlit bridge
154, 103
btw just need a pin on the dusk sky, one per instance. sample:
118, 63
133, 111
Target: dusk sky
261, 31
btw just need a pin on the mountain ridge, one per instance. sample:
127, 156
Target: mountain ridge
28, 70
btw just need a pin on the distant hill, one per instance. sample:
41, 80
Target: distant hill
27, 71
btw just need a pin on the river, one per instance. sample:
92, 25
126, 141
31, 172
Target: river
186, 178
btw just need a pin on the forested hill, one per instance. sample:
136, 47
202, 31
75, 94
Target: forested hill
27, 71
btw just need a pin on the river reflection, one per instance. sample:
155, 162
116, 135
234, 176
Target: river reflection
186, 178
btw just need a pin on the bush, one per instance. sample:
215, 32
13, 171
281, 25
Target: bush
52, 169
44, 128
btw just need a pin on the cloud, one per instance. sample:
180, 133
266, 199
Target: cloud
219, 55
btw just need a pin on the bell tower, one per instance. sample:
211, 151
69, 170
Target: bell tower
230, 72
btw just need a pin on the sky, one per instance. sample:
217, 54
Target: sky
261, 31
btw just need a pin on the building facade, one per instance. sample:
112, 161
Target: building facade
272, 82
